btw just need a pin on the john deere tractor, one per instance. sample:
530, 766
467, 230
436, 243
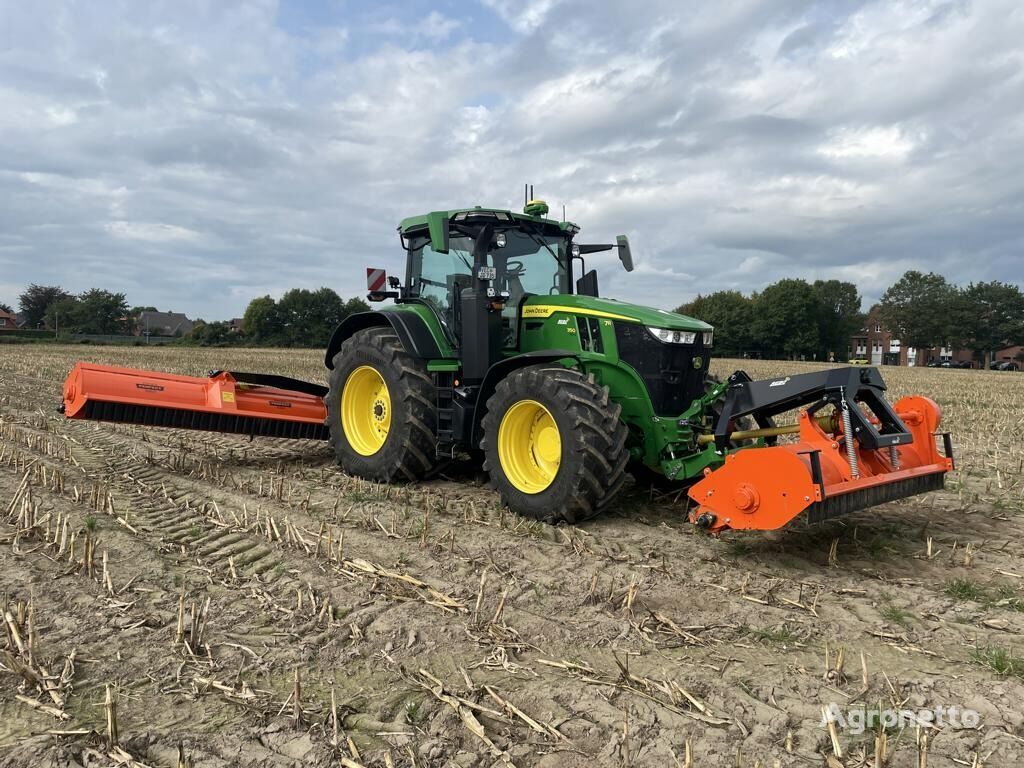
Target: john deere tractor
497, 344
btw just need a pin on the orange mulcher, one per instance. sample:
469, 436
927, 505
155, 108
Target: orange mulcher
243, 403
860, 453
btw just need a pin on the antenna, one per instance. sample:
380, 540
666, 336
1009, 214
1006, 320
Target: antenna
531, 192
526, 194
563, 211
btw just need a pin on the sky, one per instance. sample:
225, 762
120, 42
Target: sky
195, 154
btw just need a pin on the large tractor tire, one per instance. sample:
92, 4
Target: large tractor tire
381, 411
554, 446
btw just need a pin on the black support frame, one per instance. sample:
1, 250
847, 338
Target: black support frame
763, 400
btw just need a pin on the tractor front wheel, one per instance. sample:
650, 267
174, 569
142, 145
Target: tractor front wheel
380, 409
554, 446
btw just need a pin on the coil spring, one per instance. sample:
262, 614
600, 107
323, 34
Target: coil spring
851, 449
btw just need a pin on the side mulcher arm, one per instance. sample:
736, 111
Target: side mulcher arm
255, 404
865, 453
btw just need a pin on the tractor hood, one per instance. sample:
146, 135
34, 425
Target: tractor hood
545, 306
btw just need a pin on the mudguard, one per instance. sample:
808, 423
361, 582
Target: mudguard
411, 329
503, 368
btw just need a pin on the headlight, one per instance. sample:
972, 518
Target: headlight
709, 338
672, 337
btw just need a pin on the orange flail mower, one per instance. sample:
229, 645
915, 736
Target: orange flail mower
823, 473
242, 403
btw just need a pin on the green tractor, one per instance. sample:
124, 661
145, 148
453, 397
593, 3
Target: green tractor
492, 347
498, 345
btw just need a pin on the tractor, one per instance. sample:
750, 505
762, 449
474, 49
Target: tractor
496, 343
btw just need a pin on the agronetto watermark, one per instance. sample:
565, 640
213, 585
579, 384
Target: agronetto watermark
857, 720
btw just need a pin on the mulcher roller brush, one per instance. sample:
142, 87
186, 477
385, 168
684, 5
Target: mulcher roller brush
237, 403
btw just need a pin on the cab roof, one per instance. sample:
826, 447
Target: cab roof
478, 213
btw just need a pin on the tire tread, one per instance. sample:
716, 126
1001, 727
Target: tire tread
415, 390
598, 433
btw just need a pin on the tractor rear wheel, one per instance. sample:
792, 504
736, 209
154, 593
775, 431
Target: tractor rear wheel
381, 412
554, 446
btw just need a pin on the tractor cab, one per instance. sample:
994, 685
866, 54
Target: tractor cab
475, 267
524, 258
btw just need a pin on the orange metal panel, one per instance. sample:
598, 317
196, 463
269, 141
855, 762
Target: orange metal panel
220, 394
765, 488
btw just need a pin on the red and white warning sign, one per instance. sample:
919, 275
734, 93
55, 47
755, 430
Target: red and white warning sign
375, 279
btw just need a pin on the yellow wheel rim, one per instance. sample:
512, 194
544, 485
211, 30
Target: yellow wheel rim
365, 410
529, 446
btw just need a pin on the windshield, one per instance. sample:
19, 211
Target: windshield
528, 263
531, 263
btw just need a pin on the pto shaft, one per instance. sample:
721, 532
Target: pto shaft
827, 423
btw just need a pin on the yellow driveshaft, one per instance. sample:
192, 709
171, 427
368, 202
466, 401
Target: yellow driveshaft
828, 423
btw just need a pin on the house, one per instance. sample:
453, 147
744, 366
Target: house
961, 357
8, 321
237, 325
1010, 353
163, 324
879, 346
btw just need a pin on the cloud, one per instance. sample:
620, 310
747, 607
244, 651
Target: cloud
524, 15
197, 154
875, 141
150, 232
437, 26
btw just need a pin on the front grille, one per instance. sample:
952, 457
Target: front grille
667, 369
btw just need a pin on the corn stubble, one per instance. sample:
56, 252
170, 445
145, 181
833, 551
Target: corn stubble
257, 589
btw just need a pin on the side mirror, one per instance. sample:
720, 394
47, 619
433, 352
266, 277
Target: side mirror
587, 285
625, 255
437, 226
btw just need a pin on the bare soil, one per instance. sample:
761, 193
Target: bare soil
449, 632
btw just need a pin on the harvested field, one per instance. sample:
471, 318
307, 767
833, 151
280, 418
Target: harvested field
246, 603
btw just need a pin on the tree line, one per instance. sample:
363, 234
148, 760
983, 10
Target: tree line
790, 318
926, 310
301, 318
794, 318
93, 311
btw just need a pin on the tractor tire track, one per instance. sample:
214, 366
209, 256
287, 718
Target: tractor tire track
756, 656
